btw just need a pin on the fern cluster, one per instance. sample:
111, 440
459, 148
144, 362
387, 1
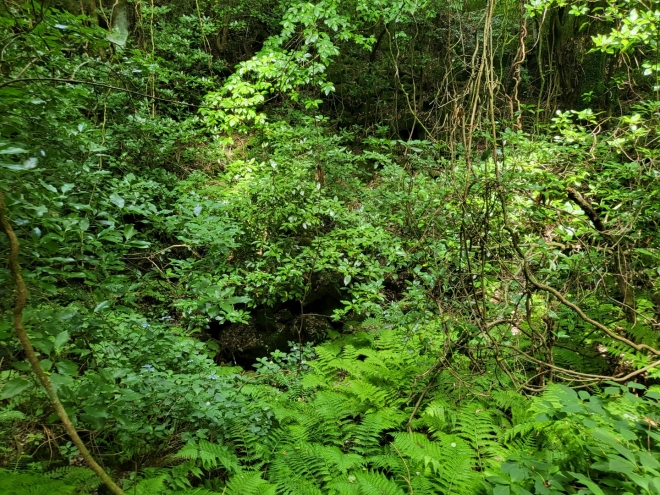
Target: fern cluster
62, 481
379, 412
601, 444
347, 426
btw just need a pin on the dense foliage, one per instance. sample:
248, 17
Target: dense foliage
343, 247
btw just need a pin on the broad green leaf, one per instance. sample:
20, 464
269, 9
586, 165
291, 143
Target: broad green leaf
140, 244
61, 339
632, 398
654, 485
67, 367
21, 365
605, 436
501, 490
117, 200
129, 231
95, 416
648, 461
101, 306
13, 150
583, 394
640, 480
619, 465
588, 483
625, 453
43, 344
518, 474
48, 186
59, 379
14, 387
28, 164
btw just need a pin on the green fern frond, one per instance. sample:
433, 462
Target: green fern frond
197, 491
449, 463
524, 443
313, 424
375, 483
477, 426
210, 455
586, 363
374, 324
249, 483
350, 353
83, 478
309, 468
339, 461
10, 415
336, 405
416, 447
313, 380
251, 447
325, 355
644, 334
276, 438
367, 392
509, 399
151, 486
619, 350
439, 414
293, 469
34, 484
522, 431
388, 462
345, 485
298, 487
367, 437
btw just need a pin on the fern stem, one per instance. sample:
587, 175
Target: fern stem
412, 492
21, 303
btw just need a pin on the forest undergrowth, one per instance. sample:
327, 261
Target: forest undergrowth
346, 247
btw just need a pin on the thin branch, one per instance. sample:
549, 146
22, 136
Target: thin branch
588, 209
586, 376
546, 288
407, 470
92, 83
21, 303
628, 302
164, 250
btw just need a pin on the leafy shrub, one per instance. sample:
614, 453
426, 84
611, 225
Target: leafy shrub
605, 443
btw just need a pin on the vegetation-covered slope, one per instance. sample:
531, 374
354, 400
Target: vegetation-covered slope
344, 247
